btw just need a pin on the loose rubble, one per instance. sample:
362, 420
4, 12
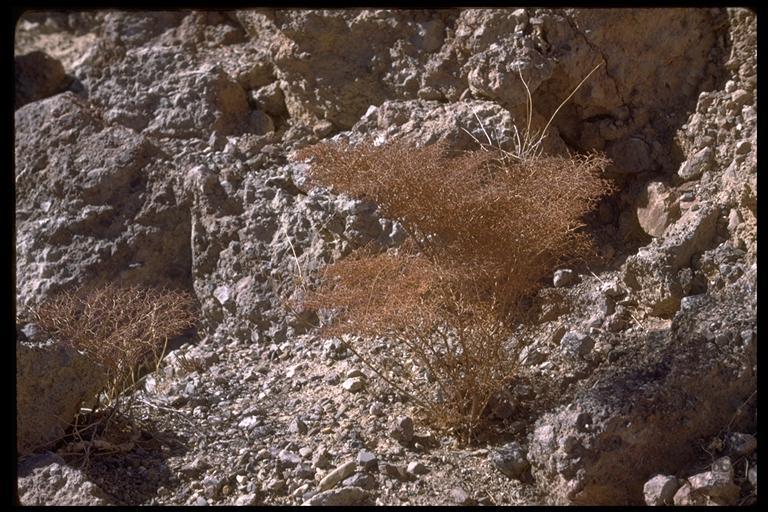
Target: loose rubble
155, 150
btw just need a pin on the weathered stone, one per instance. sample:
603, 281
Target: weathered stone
511, 460
52, 382
700, 162
246, 500
686, 497
584, 449
196, 467
564, 277
417, 468
395, 471
337, 475
270, 99
367, 460
660, 490
403, 429
321, 459
656, 209
362, 480
630, 156
577, 343
297, 427
354, 384
346, 496
752, 476
717, 484
91, 210
288, 458
743, 147
460, 496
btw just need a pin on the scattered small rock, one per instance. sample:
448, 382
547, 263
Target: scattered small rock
577, 343
321, 459
246, 500
297, 427
195, 467
263, 454
686, 497
743, 147
304, 471
362, 480
697, 164
393, 471
717, 484
288, 459
351, 374
376, 409
248, 422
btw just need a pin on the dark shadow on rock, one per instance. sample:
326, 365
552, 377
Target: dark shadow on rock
133, 477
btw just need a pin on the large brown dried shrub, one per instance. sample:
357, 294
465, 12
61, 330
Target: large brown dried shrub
122, 329
484, 230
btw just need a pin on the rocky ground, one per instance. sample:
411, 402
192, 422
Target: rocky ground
153, 149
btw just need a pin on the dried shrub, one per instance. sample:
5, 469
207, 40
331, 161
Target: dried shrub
442, 350
122, 329
506, 224
484, 230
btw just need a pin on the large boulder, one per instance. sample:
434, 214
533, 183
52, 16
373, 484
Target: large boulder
52, 381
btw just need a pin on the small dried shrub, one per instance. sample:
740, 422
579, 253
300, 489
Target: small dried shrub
484, 230
122, 329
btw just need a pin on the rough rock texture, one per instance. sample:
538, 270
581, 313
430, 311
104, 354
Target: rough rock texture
92, 204
51, 383
167, 162
674, 389
46, 480
660, 490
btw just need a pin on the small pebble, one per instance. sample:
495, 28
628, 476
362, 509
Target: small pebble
353, 385
417, 468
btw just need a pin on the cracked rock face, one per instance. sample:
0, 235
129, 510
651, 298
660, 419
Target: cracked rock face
154, 148
89, 204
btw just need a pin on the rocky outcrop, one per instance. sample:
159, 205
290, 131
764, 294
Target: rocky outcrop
94, 203
642, 411
167, 162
